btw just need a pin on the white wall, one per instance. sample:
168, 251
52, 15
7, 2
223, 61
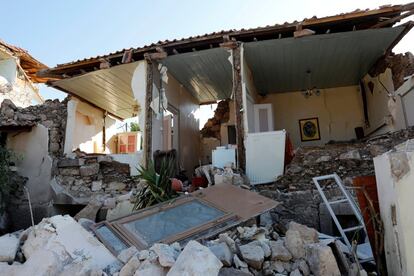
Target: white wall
406, 94
84, 129
399, 192
35, 162
24, 93
339, 111
384, 106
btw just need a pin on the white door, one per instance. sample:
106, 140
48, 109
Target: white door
263, 118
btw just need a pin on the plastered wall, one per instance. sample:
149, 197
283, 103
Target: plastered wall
189, 135
23, 93
339, 111
34, 161
395, 177
84, 129
384, 106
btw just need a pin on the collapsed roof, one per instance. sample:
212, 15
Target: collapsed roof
29, 64
209, 78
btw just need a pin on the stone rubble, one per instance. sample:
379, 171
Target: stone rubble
61, 246
295, 191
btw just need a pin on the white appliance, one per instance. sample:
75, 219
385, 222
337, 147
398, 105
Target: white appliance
223, 156
265, 156
394, 172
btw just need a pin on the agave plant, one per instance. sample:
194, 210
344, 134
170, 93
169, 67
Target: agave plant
157, 187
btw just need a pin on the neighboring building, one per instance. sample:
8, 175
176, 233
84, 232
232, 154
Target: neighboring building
18, 76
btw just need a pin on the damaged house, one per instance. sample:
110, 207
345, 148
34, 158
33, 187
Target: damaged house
318, 80
18, 76
294, 101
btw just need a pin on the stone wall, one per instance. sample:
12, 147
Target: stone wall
78, 180
213, 125
52, 114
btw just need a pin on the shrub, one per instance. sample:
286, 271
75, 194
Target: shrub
157, 187
134, 126
6, 187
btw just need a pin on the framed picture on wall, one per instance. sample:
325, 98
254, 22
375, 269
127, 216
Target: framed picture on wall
309, 129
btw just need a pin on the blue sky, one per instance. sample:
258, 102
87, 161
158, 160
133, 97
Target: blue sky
61, 31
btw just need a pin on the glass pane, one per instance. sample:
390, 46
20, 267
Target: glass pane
172, 221
109, 238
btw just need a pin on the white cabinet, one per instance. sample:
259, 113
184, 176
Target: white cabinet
265, 156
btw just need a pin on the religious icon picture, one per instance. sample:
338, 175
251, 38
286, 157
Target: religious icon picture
309, 129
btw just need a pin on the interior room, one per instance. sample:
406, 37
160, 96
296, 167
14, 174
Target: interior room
311, 86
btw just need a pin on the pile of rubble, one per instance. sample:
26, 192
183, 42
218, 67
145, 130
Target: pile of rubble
213, 125
61, 246
295, 189
87, 176
402, 65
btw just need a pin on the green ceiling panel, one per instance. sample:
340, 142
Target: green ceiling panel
334, 60
206, 74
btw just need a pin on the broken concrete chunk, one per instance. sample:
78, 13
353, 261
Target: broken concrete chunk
239, 263
96, 185
231, 271
277, 266
224, 237
90, 211
302, 266
67, 162
89, 169
295, 272
127, 254
295, 244
321, 260
279, 251
63, 236
266, 219
195, 260
352, 154
166, 254
309, 235
222, 252
130, 267
8, 247
264, 245
253, 255
116, 186
150, 268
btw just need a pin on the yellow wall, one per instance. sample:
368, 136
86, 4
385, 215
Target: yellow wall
339, 111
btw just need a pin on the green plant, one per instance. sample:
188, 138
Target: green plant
134, 126
157, 187
6, 187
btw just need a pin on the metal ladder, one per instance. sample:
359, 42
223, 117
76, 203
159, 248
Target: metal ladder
348, 198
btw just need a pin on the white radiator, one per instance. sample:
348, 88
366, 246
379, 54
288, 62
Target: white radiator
265, 156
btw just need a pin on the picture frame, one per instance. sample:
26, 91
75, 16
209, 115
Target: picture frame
309, 129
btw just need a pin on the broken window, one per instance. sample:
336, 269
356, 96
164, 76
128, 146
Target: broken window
201, 214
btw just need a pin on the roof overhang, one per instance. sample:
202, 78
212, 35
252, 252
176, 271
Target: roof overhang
321, 61
108, 89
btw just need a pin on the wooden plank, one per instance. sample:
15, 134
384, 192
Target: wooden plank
148, 113
238, 107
